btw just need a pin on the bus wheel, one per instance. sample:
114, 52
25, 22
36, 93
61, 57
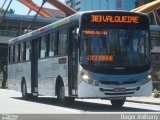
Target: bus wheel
118, 103
61, 93
24, 90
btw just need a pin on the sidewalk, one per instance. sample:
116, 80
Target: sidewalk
145, 100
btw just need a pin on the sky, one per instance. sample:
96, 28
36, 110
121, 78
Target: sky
22, 9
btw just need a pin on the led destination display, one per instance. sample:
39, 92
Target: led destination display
114, 19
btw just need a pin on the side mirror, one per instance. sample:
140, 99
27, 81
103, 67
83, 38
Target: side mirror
75, 32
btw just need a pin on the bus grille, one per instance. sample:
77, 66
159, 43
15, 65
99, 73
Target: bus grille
118, 83
119, 93
126, 92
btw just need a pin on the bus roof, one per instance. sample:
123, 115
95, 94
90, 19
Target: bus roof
64, 21
45, 28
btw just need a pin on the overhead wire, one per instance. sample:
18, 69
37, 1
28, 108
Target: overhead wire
44, 1
3, 6
4, 14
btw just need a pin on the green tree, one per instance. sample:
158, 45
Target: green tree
11, 11
3, 65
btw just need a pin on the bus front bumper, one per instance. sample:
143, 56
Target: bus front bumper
108, 91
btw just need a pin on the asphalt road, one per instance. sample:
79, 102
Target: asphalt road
11, 102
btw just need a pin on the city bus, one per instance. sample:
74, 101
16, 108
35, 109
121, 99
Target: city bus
89, 55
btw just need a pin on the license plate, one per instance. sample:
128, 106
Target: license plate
119, 89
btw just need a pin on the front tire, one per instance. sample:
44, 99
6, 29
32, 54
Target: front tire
118, 103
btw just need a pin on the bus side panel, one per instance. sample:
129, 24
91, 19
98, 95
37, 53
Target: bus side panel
11, 77
46, 77
15, 74
48, 71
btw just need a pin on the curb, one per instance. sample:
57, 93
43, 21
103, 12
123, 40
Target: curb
144, 102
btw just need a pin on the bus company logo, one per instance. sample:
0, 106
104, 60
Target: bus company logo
42, 29
9, 117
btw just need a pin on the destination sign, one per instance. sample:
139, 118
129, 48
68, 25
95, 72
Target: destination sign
95, 32
107, 58
114, 19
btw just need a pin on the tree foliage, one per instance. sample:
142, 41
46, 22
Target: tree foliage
11, 11
3, 65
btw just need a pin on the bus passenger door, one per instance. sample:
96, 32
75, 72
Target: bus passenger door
72, 62
34, 66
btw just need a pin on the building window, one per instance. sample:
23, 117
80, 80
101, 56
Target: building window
2, 28
119, 4
62, 43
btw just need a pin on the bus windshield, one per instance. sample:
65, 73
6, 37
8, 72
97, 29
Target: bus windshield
114, 50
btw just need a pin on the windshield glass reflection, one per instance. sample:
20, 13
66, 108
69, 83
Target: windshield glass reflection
118, 48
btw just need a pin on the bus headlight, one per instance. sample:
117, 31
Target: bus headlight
144, 81
149, 77
88, 80
85, 77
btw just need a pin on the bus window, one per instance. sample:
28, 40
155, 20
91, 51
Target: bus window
11, 54
9, 58
62, 43
24, 52
16, 53
52, 44
47, 41
21, 52
43, 45
28, 50
19, 47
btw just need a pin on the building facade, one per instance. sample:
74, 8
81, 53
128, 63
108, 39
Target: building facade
86, 5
